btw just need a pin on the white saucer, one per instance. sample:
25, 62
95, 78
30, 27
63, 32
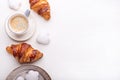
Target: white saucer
27, 35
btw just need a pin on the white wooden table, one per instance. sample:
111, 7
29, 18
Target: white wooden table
85, 40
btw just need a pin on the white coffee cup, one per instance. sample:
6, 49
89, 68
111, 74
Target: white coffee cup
18, 23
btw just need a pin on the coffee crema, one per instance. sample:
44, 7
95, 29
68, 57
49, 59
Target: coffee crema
18, 23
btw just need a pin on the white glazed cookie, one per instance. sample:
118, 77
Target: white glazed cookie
20, 78
32, 75
43, 38
15, 4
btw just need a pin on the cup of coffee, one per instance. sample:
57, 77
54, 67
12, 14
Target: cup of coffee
18, 23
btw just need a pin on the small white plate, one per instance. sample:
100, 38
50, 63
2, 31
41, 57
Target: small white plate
27, 35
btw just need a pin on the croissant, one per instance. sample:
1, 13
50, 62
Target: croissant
24, 53
41, 7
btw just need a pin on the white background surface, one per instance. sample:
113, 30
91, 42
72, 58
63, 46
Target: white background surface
85, 40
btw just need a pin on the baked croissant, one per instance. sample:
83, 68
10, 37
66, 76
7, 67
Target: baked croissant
42, 7
24, 53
